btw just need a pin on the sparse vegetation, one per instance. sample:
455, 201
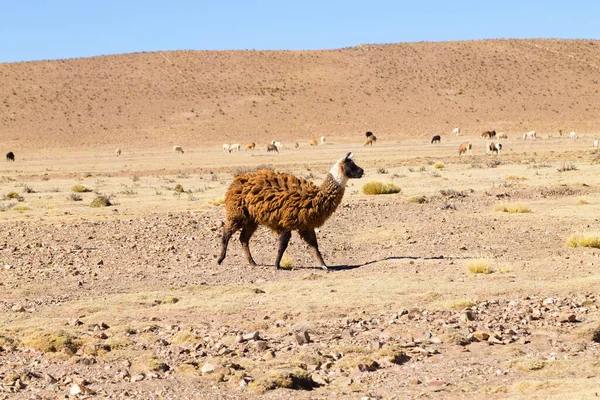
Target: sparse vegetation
417, 199
584, 240
438, 165
376, 187
567, 167
79, 188
101, 201
478, 266
512, 208
515, 178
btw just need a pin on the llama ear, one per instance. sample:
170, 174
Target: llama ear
349, 156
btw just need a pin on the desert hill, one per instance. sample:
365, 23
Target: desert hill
200, 99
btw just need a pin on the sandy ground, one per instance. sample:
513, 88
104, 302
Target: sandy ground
127, 301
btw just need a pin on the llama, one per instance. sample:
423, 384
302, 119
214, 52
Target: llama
226, 148
455, 131
118, 152
313, 143
529, 135
502, 135
271, 147
250, 146
277, 144
178, 149
10, 156
573, 135
322, 139
370, 138
284, 203
488, 134
596, 144
235, 146
436, 139
297, 145
464, 147
493, 148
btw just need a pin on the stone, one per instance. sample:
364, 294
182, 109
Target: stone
261, 345
566, 317
319, 380
251, 336
302, 337
481, 335
137, 378
208, 368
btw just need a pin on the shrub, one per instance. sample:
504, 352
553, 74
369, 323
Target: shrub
218, 201
179, 188
80, 189
567, 167
478, 266
101, 201
438, 165
376, 187
286, 262
512, 208
515, 178
417, 199
12, 195
584, 240
74, 197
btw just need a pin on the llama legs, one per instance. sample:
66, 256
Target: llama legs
284, 239
229, 229
311, 238
247, 232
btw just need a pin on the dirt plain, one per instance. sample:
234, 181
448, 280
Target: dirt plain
127, 301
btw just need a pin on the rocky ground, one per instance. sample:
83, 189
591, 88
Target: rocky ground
138, 308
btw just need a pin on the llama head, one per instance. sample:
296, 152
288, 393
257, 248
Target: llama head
345, 169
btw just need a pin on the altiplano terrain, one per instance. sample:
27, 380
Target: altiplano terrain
477, 279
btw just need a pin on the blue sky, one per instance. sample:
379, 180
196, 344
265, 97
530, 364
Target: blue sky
45, 29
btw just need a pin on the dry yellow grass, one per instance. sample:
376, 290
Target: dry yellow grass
512, 207
584, 240
478, 266
376, 187
438, 165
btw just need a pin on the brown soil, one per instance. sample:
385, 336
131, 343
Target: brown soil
127, 301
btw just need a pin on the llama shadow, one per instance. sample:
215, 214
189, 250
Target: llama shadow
353, 266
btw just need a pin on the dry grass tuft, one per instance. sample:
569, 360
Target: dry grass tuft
286, 262
376, 187
438, 165
80, 189
512, 208
515, 178
583, 201
101, 201
218, 201
478, 266
52, 342
286, 377
584, 240
417, 199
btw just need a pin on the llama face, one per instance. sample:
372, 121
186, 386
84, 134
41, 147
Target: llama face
345, 169
351, 170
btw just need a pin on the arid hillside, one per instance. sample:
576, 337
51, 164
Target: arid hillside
199, 99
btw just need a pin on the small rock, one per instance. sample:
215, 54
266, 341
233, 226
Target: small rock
481, 335
319, 380
80, 389
208, 368
567, 318
18, 308
261, 345
137, 378
251, 336
302, 337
